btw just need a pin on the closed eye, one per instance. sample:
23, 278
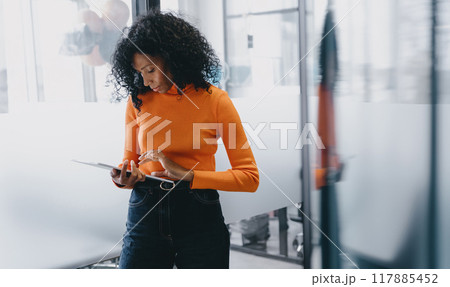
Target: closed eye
149, 71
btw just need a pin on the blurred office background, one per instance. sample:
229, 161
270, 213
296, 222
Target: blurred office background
389, 113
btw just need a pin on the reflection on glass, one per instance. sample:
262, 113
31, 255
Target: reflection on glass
72, 48
382, 114
443, 46
384, 50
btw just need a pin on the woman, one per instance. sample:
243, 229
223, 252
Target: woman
174, 118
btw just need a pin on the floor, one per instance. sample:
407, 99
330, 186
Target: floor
240, 260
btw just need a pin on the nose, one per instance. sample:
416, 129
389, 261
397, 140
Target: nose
147, 80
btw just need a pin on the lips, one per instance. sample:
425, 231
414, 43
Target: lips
155, 89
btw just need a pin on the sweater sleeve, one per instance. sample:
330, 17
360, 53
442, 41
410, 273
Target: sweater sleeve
131, 131
243, 175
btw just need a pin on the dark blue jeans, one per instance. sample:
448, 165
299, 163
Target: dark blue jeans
185, 229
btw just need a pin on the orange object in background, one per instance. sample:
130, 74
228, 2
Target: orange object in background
115, 15
328, 165
327, 158
95, 25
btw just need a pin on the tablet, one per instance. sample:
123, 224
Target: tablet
109, 167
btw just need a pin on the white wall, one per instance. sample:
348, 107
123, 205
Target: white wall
58, 213
2, 39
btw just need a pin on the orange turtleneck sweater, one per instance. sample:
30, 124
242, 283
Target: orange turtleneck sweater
186, 129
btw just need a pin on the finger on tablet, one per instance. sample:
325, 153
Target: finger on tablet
113, 172
123, 172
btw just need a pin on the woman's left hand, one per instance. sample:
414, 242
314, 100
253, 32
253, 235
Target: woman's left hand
171, 169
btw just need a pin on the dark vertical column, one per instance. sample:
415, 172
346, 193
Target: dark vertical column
306, 169
141, 7
329, 225
282, 230
154, 4
432, 217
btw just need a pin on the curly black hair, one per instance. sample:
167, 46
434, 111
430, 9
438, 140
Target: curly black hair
186, 52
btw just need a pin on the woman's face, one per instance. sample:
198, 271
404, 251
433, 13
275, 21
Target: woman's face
154, 72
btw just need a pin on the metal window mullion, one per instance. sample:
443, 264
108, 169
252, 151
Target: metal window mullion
88, 75
30, 53
306, 177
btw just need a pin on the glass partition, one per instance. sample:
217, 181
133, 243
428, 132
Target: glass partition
382, 118
443, 120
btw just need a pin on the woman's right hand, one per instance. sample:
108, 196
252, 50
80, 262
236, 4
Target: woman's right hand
121, 177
